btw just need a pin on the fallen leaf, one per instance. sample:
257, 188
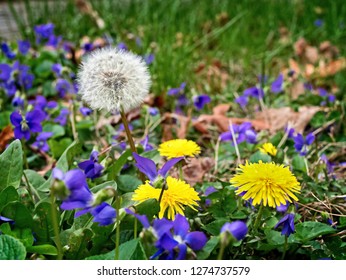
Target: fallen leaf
280, 117
5, 136
196, 169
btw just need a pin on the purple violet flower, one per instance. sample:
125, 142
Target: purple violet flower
24, 126
80, 195
91, 167
149, 58
242, 132
122, 46
175, 91
57, 68
173, 243
200, 100
62, 118
85, 111
62, 87
142, 218
301, 144
5, 72
7, 51
282, 207
18, 101
278, 85
23, 46
287, 223
104, 214
43, 31
242, 100
41, 141
254, 92
237, 229
145, 144
148, 166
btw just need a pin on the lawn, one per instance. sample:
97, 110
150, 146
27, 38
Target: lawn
204, 130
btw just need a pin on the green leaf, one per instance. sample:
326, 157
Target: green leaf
57, 130
318, 119
111, 184
35, 180
43, 224
63, 163
150, 208
59, 146
11, 165
310, 230
8, 195
298, 163
130, 250
128, 183
275, 237
256, 157
11, 248
214, 227
77, 242
45, 249
116, 167
209, 247
19, 213
43, 69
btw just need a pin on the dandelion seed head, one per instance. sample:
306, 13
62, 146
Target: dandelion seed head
110, 78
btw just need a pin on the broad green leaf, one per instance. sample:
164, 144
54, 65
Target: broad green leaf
150, 208
310, 230
43, 224
111, 184
214, 227
35, 181
45, 249
128, 183
11, 165
256, 157
275, 237
298, 163
208, 248
8, 195
63, 163
11, 248
77, 242
130, 250
116, 167
19, 213
57, 129
59, 146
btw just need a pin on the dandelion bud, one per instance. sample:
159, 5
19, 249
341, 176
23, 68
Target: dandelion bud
110, 79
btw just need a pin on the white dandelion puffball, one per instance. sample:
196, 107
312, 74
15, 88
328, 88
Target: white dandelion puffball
110, 79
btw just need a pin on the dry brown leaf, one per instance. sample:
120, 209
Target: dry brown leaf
177, 123
5, 136
332, 67
300, 46
297, 89
196, 168
221, 109
311, 54
86, 8
279, 118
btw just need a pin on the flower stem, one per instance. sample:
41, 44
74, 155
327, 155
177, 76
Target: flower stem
258, 218
127, 130
180, 166
235, 142
56, 226
117, 231
135, 229
285, 248
222, 250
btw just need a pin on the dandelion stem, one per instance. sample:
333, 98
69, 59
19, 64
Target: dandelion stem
55, 221
258, 218
180, 166
127, 130
73, 122
216, 155
117, 230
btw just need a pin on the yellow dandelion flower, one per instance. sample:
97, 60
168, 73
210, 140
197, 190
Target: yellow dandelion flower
268, 148
266, 183
178, 148
178, 195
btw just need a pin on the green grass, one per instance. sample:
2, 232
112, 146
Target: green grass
247, 39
